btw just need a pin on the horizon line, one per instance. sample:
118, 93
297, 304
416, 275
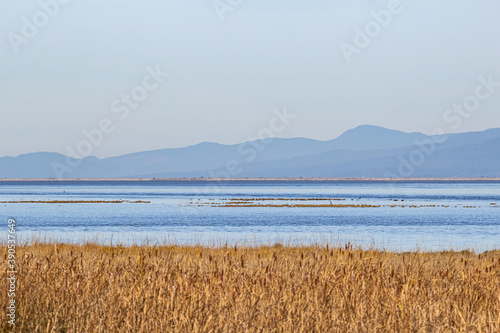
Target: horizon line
209, 179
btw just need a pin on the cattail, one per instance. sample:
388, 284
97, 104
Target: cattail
293, 294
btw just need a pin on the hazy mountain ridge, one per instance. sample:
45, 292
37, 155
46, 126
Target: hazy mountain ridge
365, 151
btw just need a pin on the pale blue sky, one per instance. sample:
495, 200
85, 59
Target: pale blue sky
227, 76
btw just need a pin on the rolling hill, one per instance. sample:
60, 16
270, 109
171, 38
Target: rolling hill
365, 151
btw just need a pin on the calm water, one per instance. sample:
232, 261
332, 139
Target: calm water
437, 215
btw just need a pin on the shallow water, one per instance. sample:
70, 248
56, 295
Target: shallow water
465, 214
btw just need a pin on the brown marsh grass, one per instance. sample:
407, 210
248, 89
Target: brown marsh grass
97, 288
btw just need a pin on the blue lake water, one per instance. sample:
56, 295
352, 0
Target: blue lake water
426, 215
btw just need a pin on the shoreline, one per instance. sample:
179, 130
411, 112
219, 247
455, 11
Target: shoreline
225, 245
283, 245
256, 179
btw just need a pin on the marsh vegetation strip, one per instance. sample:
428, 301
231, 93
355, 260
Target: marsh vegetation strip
93, 288
293, 205
316, 203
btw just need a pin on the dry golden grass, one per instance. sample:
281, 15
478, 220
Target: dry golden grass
93, 288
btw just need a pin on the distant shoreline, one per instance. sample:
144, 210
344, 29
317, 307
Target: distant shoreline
252, 179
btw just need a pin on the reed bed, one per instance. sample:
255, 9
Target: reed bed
98, 288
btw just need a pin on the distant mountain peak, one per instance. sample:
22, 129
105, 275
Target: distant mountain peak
373, 129
369, 137
366, 126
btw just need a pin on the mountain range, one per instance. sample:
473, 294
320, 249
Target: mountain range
365, 151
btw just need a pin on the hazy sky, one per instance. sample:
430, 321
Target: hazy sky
70, 69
